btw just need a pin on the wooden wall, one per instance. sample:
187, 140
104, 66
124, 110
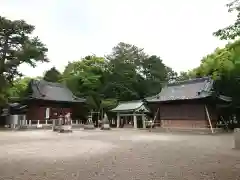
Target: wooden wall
36, 112
185, 115
182, 112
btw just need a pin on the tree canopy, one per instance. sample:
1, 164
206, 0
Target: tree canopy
52, 75
17, 46
125, 74
223, 66
18, 88
233, 30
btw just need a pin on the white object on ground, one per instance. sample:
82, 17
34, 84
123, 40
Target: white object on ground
237, 138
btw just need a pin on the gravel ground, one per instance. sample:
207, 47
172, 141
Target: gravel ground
116, 154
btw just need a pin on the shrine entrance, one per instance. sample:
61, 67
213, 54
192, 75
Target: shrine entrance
131, 114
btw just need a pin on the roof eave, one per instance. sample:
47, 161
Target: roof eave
169, 100
122, 110
37, 98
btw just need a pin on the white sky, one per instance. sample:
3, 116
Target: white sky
179, 31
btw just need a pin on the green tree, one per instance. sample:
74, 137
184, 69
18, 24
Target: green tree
18, 88
133, 74
124, 72
86, 78
229, 61
223, 66
17, 46
183, 76
155, 74
171, 75
127, 73
52, 75
232, 31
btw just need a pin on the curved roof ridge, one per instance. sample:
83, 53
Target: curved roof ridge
133, 101
184, 90
189, 81
128, 105
42, 81
45, 90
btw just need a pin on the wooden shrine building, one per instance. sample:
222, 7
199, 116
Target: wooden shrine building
131, 114
186, 104
47, 100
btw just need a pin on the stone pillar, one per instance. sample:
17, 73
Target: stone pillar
46, 121
30, 122
118, 120
38, 122
53, 124
135, 121
143, 121
24, 120
76, 121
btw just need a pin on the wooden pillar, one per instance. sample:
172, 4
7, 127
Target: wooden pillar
118, 120
135, 121
209, 119
156, 114
143, 121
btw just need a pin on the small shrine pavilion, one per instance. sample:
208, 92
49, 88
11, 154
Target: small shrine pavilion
131, 114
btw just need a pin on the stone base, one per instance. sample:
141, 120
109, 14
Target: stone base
39, 125
237, 139
77, 126
187, 130
65, 128
105, 127
89, 126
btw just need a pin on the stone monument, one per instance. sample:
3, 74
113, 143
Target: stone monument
105, 123
66, 126
89, 124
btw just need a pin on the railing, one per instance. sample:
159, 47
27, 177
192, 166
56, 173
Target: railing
40, 123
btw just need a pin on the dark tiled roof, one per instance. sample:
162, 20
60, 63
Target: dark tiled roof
40, 89
183, 90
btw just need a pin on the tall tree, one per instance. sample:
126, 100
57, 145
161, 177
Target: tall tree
85, 78
223, 66
17, 46
229, 58
125, 71
52, 75
155, 75
133, 74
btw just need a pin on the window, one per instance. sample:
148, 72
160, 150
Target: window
47, 113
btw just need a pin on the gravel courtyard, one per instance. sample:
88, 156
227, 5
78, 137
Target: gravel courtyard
116, 154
